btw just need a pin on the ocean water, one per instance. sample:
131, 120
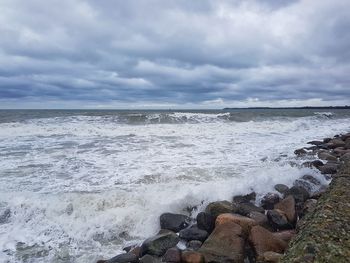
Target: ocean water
77, 186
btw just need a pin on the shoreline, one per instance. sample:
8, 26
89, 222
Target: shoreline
238, 230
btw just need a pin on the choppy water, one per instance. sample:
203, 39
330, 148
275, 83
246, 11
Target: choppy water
76, 186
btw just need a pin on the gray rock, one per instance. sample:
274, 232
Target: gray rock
300, 194
159, 244
194, 244
269, 200
327, 156
150, 259
174, 222
311, 179
123, 258
172, 255
278, 220
193, 233
244, 198
281, 188
220, 207
246, 208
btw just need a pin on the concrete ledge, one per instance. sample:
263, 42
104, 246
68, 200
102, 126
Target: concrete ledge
324, 235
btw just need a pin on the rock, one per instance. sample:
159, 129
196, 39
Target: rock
303, 184
5, 216
345, 136
281, 188
193, 233
192, 257
285, 235
263, 241
136, 251
345, 157
271, 257
244, 198
309, 207
287, 206
245, 222
311, 179
328, 168
246, 208
174, 222
159, 244
269, 200
225, 244
300, 152
172, 255
220, 207
194, 244
260, 219
316, 163
340, 151
326, 140
123, 258
150, 259
128, 248
165, 231
317, 194
278, 220
206, 221
327, 156
334, 143
299, 194
315, 143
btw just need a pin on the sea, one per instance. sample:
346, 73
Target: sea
79, 185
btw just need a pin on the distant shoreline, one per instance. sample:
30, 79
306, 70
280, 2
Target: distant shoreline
292, 108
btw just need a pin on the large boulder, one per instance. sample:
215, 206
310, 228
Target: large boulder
271, 257
281, 188
225, 244
193, 233
205, 221
335, 143
287, 206
269, 200
260, 219
244, 198
327, 156
245, 222
263, 241
220, 207
285, 235
278, 220
315, 143
192, 257
311, 179
299, 194
150, 259
328, 168
174, 222
345, 157
159, 244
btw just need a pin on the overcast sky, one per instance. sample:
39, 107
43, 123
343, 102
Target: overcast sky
181, 53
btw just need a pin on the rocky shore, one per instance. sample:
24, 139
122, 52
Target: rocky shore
245, 230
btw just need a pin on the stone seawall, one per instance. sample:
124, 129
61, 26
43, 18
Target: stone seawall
324, 235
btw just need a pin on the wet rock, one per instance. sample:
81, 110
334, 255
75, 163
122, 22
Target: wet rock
281, 188
311, 179
263, 241
172, 255
287, 206
159, 244
123, 258
327, 156
205, 221
246, 208
300, 152
244, 198
317, 194
299, 194
328, 168
285, 235
326, 140
345, 136
269, 200
225, 244
136, 251
260, 219
150, 259
272, 257
164, 231
220, 207
315, 143
174, 222
192, 257
245, 222
303, 184
334, 143
278, 220
340, 151
193, 233
194, 244
5, 216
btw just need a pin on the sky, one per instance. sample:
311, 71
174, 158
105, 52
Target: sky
174, 54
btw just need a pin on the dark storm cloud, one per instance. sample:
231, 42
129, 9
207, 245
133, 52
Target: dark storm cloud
209, 53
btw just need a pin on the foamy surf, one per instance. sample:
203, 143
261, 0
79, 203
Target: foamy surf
76, 188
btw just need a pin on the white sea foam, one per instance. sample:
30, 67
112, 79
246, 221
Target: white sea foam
81, 187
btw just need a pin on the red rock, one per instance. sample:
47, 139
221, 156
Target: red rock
245, 222
285, 235
192, 257
287, 206
263, 241
225, 244
271, 257
172, 255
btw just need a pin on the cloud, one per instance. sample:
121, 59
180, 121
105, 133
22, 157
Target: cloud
179, 53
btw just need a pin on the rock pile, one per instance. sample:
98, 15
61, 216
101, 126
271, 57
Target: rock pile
240, 230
